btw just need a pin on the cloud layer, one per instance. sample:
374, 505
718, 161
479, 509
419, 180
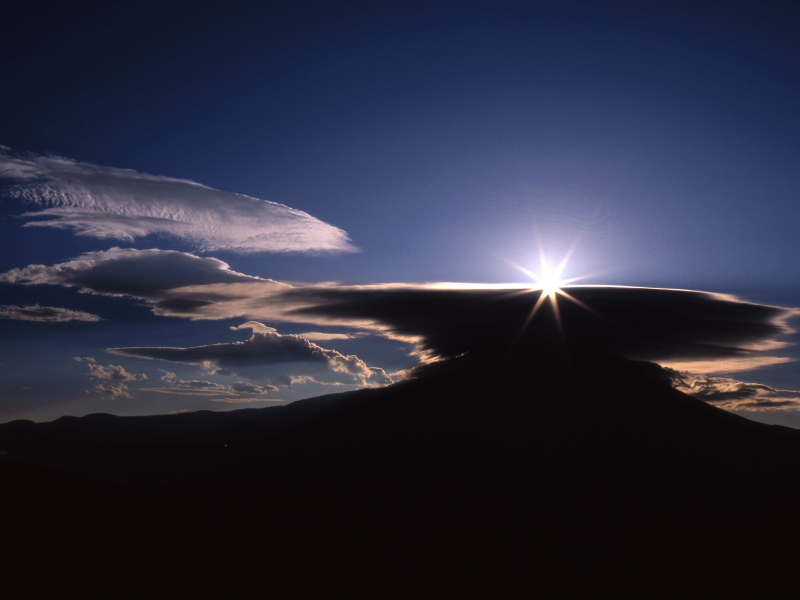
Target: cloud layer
48, 314
123, 204
677, 328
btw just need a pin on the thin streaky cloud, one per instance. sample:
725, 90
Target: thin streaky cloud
196, 387
244, 400
46, 314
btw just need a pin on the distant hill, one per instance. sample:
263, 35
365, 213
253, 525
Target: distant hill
489, 476
174, 447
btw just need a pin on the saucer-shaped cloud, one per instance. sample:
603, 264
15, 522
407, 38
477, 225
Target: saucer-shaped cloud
270, 357
123, 204
49, 314
661, 325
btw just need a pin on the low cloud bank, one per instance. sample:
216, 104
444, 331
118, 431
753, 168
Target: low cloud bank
123, 204
267, 356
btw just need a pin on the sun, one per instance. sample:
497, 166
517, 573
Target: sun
549, 278
549, 283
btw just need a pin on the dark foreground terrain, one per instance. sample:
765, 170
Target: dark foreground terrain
484, 478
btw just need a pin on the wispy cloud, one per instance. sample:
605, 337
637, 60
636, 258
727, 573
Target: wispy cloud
748, 361
46, 314
123, 204
244, 400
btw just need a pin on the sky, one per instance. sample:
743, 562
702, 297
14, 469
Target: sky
185, 187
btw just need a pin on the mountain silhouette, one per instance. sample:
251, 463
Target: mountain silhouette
494, 474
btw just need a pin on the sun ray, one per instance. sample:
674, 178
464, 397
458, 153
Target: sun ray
557, 313
536, 307
580, 303
520, 293
582, 277
562, 265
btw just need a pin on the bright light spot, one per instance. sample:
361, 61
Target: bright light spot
549, 278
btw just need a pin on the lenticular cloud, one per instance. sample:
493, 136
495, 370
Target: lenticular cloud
123, 204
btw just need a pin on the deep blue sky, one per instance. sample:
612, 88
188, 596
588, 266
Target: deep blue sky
440, 136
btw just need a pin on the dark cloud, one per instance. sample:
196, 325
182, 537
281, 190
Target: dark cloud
49, 314
766, 404
271, 357
652, 324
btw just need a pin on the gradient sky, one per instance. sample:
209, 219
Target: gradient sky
413, 142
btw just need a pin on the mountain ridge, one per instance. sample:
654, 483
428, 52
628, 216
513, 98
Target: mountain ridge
491, 475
